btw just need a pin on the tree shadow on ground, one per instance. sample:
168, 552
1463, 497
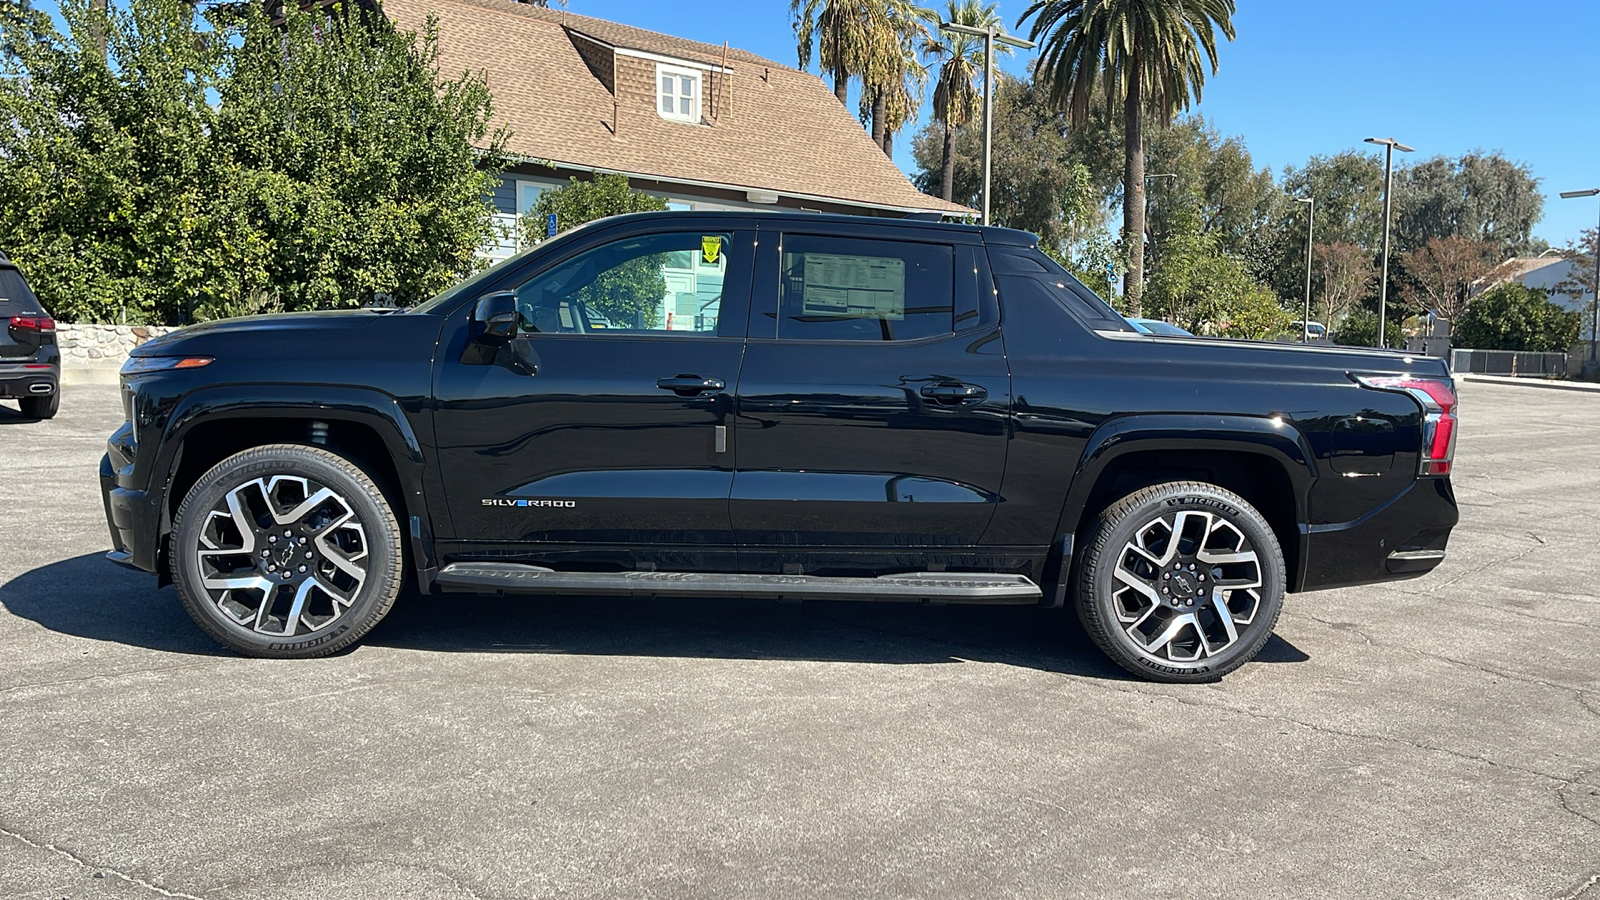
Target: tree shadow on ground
90, 597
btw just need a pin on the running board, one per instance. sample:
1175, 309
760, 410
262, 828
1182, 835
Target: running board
935, 587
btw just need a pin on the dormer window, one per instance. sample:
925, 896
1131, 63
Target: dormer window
678, 93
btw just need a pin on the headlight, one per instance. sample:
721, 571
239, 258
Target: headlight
138, 365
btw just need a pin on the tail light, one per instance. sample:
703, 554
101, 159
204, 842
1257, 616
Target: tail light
1438, 399
41, 324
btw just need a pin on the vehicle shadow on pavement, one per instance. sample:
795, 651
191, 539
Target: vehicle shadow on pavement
90, 597
12, 416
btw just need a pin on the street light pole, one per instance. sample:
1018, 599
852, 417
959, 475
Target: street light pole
1311, 223
989, 34
1390, 145
1591, 369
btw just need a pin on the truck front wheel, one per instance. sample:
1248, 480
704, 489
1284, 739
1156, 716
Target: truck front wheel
1180, 582
286, 551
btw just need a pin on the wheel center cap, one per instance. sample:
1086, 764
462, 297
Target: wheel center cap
1185, 583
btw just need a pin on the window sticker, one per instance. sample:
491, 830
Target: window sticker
872, 287
710, 248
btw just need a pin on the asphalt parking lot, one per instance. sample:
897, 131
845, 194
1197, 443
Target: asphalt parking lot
1436, 738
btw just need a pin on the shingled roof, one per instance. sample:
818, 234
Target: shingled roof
781, 130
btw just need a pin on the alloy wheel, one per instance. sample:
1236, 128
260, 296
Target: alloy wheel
1188, 584
282, 555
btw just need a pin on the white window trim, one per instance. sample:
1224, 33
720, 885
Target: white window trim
699, 91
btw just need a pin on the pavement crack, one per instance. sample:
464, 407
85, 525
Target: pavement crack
150, 671
1337, 732
82, 863
1587, 700
1439, 586
1581, 889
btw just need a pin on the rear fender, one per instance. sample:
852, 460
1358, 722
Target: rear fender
1275, 440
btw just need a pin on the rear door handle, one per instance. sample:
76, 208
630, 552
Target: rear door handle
954, 393
691, 385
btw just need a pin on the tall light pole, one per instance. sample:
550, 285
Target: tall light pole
989, 34
1591, 369
1311, 222
1390, 146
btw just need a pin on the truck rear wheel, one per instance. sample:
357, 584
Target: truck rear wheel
1180, 582
286, 551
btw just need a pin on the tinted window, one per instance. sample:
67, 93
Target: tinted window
657, 284
15, 298
865, 290
1060, 284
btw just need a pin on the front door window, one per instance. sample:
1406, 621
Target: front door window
655, 284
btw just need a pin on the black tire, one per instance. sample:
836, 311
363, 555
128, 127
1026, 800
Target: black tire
1184, 599
363, 536
44, 407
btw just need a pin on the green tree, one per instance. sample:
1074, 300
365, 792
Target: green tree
1360, 329
893, 80
631, 292
1514, 317
107, 199
1196, 284
956, 98
1149, 55
216, 163
355, 158
1040, 186
1479, 196
840, 31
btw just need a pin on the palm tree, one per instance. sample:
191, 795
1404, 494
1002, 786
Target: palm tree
956, 100
841, 30
1148, 54
892, 80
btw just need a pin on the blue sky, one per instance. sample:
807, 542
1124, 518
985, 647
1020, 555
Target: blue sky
1311, 77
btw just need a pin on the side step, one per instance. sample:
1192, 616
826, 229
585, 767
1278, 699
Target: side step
937, 587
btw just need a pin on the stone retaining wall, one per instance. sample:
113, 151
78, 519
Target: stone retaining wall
85, 346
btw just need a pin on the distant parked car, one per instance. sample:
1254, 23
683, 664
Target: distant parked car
1316, 330
30, 363
1156, 326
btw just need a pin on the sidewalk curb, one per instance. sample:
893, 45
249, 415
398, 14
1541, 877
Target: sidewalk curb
1531, 382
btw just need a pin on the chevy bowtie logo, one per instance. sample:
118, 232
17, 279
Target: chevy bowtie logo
503, 501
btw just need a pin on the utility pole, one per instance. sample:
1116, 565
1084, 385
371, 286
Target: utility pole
1591, 369
1390, 146
989, 35
1311, 223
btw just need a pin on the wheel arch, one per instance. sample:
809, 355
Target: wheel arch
366, 426
1265, 460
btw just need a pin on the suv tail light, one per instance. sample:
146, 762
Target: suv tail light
1438, 399
41, 324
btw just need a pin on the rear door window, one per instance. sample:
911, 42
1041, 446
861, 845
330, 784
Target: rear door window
856, 289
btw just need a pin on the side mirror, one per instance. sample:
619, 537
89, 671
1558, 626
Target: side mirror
497, 313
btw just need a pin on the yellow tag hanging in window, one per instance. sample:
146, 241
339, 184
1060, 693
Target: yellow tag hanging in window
710, 248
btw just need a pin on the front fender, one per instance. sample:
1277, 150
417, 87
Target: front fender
377, 410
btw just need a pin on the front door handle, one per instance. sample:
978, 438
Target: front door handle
954, 393
691, 385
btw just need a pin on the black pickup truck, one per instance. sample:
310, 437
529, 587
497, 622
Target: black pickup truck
774, 405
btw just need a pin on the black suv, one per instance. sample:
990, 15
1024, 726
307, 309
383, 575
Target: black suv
30, 363
782, 406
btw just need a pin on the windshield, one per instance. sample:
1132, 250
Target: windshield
470, 284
